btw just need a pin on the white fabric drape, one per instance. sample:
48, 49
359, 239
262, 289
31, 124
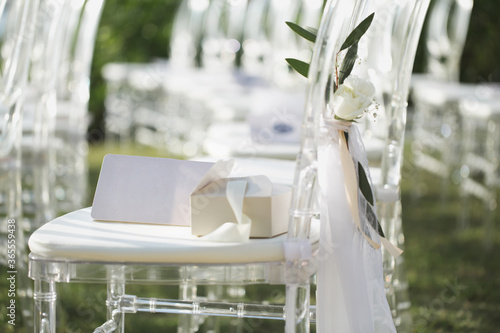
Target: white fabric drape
351, 296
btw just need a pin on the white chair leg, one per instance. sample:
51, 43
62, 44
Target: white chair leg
45, 306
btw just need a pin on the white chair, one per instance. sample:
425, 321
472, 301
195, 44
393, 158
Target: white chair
18, 19
54, 110
271, 109
187, 33
39, 109
436, 93
190, 262
72, 118
444, 40
387, 57
258, 261
436, 130
75, 248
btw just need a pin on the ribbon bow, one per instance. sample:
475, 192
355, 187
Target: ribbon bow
238, 231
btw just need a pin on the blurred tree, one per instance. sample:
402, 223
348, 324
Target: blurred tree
480, 61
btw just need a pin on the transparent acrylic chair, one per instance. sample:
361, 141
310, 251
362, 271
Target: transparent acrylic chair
436, 93
39, 109
18, 19
54, 111
210, 39
158, 259
152, 258
388, 55
480, 161
73, 89
272, 108
448, 23
75, 248
155, 87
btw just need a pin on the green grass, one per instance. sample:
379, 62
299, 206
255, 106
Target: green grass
453, 272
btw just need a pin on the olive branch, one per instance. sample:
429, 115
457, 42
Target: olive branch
350, 44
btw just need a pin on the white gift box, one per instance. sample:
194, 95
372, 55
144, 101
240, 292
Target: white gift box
266, 205
175, 192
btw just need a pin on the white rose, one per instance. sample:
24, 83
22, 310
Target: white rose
352, 98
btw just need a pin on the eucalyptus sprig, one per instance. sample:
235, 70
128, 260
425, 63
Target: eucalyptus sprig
308, 33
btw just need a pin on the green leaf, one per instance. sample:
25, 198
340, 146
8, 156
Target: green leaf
364, 185
330, 87
301, 67
366, 190
348, 63
358, 32
380, 230
305, 33
312, 30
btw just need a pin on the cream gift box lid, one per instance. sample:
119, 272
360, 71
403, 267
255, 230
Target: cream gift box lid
265, 203
151, 189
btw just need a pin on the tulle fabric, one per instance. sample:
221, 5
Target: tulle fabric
351, 296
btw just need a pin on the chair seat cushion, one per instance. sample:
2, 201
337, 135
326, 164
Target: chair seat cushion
76, 236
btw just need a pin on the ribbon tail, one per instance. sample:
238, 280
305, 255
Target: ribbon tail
391, 248
231, 231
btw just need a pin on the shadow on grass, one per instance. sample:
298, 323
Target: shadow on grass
453, 276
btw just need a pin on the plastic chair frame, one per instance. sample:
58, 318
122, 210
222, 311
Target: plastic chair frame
295, 272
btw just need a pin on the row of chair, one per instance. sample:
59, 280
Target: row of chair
46, 54
453, 121
218, 73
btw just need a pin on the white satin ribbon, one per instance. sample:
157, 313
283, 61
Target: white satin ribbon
391, 248
238, 231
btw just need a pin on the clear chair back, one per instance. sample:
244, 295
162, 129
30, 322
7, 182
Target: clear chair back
18, 21
386, 56
447, 27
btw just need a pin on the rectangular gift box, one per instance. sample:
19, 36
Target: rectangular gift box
155, 190
266, 204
